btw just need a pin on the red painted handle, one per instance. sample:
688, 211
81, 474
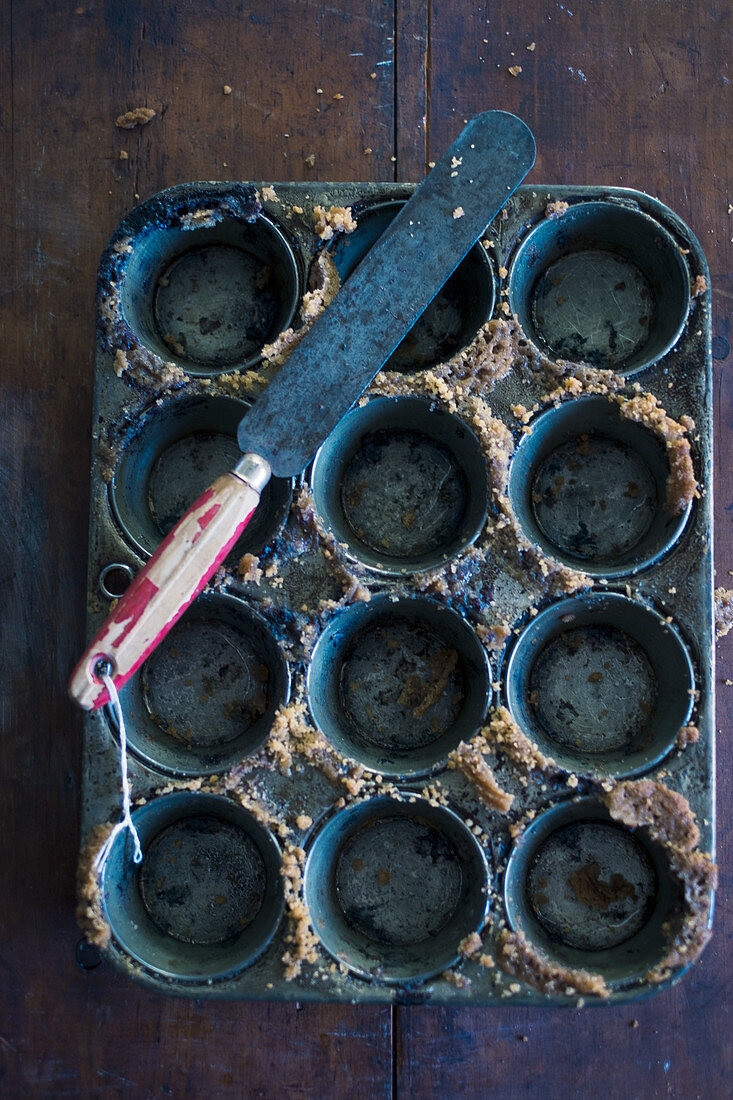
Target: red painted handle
162, 591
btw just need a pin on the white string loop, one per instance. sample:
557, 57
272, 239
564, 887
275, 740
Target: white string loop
126, 821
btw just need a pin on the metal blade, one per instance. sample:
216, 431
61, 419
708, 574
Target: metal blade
392, 286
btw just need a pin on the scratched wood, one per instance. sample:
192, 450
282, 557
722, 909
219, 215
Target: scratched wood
615, 93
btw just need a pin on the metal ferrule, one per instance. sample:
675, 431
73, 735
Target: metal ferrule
255, 470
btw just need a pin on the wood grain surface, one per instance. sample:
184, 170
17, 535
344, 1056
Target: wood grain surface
616, 93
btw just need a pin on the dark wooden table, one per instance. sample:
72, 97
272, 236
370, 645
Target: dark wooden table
615, 92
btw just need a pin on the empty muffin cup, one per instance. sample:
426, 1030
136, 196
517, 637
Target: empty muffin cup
454, 316
403, 484
589, 488
209, 296
207, 898
601, 683
590, 893
174, 455
206, 698
604, 284
395, 685
393, 887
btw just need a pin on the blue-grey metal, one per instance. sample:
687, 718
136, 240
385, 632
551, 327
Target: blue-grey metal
392, 286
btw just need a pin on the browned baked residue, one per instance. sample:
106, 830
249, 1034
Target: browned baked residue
420, 694
89, 914
469, 759
723, 611
649, 804
476, 369
687, 735
504, 733
556, 209
139, 116
522, 960
597, 893
688, 934
337, 219
670, 822
302, 940
324, 285
699, 286
682, 484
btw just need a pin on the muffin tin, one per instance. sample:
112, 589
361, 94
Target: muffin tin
403, 865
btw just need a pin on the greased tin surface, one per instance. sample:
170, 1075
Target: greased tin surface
438, 730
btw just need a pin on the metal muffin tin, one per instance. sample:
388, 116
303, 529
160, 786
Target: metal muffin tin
200, 277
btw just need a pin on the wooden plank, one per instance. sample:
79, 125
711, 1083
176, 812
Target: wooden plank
626, 95
412, 58
67, 75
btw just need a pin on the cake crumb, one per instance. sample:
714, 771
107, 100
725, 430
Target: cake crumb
337, 219
556, 209
458, 981
269, 194
139, 116
531, 47
310, 160
515, 70
723, 611
470, 945
699, 286
458, 212
227, 89
303, 821
124, 155
249, 569
120, 364
300, 937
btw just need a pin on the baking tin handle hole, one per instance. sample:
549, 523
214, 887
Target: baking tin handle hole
88, 955
114, 580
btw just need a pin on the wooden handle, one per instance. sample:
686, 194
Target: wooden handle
172, 578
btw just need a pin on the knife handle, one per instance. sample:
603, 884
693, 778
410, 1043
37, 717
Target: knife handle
171, 580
